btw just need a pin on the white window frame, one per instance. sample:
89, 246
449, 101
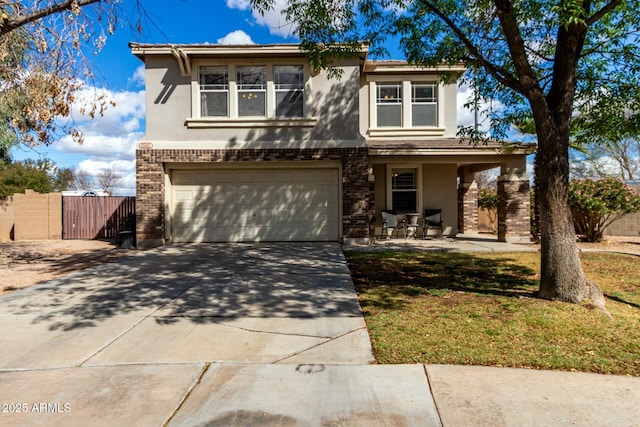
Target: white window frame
197, 120
418, 168
249, 90
435, 102
394, 101
406, 129
223, 89
279, 89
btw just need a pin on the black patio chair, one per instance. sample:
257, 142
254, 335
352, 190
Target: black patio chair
432, 219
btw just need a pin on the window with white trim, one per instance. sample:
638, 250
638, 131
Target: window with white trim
214, 91
389, 104
252, 91
404, 190
405, 107
424, 104
289, 85
263, 92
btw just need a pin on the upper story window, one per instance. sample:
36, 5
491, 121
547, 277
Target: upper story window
424, 104
214, 91
401, 106
289, 86
252, 91
265, 92
389, 104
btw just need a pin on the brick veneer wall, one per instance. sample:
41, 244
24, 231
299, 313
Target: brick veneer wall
467, 208
150, 194
514, 216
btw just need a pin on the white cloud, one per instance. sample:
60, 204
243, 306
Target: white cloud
467, 117
102, 146
110, 139
237, 37
274, 19
138, 78
239, 4
129, 106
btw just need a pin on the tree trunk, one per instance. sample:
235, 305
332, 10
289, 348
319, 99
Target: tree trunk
561, 274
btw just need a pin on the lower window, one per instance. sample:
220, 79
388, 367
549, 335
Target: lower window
404, 190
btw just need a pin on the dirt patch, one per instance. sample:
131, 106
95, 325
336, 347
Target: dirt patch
25, 263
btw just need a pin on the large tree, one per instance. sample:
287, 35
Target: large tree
541, 59
43, 65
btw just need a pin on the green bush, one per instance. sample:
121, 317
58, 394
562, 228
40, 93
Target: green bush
488, 199
596, 204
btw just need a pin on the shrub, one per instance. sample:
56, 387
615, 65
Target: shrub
596, 204
488, 200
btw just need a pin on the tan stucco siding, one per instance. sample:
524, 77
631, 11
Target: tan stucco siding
450, 106
439, 184
168, 96
331, 103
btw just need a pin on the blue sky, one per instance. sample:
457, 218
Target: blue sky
110, 140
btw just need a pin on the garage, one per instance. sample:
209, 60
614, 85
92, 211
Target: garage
254, 205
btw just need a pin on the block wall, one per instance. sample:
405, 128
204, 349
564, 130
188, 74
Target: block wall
31, 216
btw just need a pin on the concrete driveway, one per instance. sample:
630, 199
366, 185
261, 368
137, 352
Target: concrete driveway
253, 334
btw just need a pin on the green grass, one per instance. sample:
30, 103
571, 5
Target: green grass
481, 309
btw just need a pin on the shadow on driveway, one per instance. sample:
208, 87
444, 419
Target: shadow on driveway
201, 282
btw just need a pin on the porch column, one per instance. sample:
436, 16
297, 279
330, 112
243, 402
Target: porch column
150, 208
514, 203
467, 202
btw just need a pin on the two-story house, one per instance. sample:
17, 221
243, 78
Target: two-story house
250, 143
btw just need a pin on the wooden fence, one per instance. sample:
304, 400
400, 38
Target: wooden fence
97, 217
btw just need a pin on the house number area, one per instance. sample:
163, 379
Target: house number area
36, 407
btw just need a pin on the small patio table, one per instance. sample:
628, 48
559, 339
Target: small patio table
412, 223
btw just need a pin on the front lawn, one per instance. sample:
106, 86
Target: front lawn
479, 309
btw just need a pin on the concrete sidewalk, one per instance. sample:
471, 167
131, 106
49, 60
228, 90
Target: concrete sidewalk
268, 334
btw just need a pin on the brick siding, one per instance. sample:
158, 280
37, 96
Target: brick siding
467, 208
514, 204
151, 192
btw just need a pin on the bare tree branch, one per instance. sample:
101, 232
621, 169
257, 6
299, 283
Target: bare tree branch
11, 24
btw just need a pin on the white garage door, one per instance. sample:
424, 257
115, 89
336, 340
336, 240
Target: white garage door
244, 205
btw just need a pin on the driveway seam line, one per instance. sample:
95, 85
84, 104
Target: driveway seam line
426, 374
272, 332
318, 345
198, 380
142, 319
95, 353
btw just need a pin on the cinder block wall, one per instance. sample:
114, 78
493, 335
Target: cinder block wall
628, 225
34, 216
7, 219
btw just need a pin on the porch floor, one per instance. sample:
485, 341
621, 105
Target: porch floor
469, 242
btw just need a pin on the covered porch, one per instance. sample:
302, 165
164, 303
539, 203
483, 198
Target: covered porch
409, 177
